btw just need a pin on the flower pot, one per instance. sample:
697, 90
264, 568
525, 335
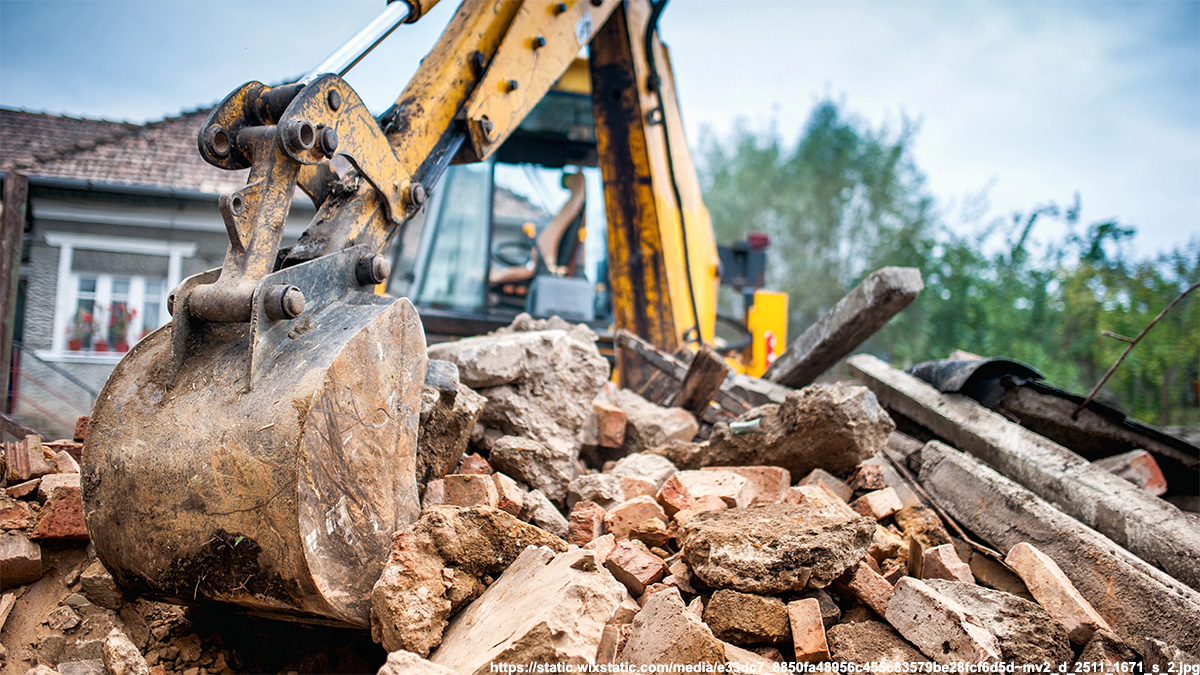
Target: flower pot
74, 345
99, 346
121, 346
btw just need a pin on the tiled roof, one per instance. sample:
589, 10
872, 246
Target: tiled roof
156, 154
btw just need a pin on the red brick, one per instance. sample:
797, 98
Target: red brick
23, 489
674, 497
61, 516
470, 490
867, 477
942, 562
586, 523
435, 494
627, 515
1055, 592
868, 586
878, 504
510, 496
474, 464
14, 516
636, 487
808, 631
635, 566
610, 425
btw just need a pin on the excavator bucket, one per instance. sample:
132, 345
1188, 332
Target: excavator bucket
268, 464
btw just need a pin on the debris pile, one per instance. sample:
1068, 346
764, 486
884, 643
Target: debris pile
701, 519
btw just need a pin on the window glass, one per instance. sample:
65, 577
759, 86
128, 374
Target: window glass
453, 271
82, 327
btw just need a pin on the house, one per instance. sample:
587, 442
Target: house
117, 215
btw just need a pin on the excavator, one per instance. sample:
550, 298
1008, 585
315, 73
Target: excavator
258, 450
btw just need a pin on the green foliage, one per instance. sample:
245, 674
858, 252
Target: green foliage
847, 198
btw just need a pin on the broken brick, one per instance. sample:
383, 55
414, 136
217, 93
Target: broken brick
610, 425
878, 504
868, 586
62, 515
20, 561
636, 487
510, 496
602, 545
1055, 592
867, 477
585, 523
23, 489
733, 489
834, 484
674, 497
473, 464
767, 484
939, 626
942, 562
635, 566
808, 630
600, 488
470, 490
628, 515
14, 516
746, 618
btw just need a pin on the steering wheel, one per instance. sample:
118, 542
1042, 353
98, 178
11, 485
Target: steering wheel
513, 253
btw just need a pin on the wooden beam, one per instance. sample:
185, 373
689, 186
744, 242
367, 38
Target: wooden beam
15, 428
1150, 527
702, 382
12, 231
674, 369
856, 317
1138, 600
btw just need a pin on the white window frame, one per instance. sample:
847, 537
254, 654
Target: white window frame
68, 285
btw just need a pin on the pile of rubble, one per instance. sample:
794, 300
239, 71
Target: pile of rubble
565, 520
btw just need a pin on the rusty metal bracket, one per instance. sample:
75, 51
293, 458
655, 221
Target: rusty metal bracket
326, 281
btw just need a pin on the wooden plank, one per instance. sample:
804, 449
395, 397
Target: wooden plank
1138, 600
702, 382
1151, 528
15, 428
675, 369
12, 231
856, 317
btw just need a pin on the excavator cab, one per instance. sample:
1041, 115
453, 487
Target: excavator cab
524, 231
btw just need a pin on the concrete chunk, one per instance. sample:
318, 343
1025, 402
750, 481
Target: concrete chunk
1137, 467
651, 425
832, 427
599, 488
871, 642
1026, 634
541, 512
834, 484
545, 608
773, 548
407, 663
1055, 592
121, 656
941, 628
538, 465
646, 466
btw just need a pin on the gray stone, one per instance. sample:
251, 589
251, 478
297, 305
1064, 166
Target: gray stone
99, 587
538, 465
121, 656
600, 488
774, 548
445, 430
85, 667
545, 608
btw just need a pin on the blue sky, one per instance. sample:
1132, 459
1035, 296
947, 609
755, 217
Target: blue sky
1033, 101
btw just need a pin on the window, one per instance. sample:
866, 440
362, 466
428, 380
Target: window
113, 312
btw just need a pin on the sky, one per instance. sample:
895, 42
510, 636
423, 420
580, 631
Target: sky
1029, 101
